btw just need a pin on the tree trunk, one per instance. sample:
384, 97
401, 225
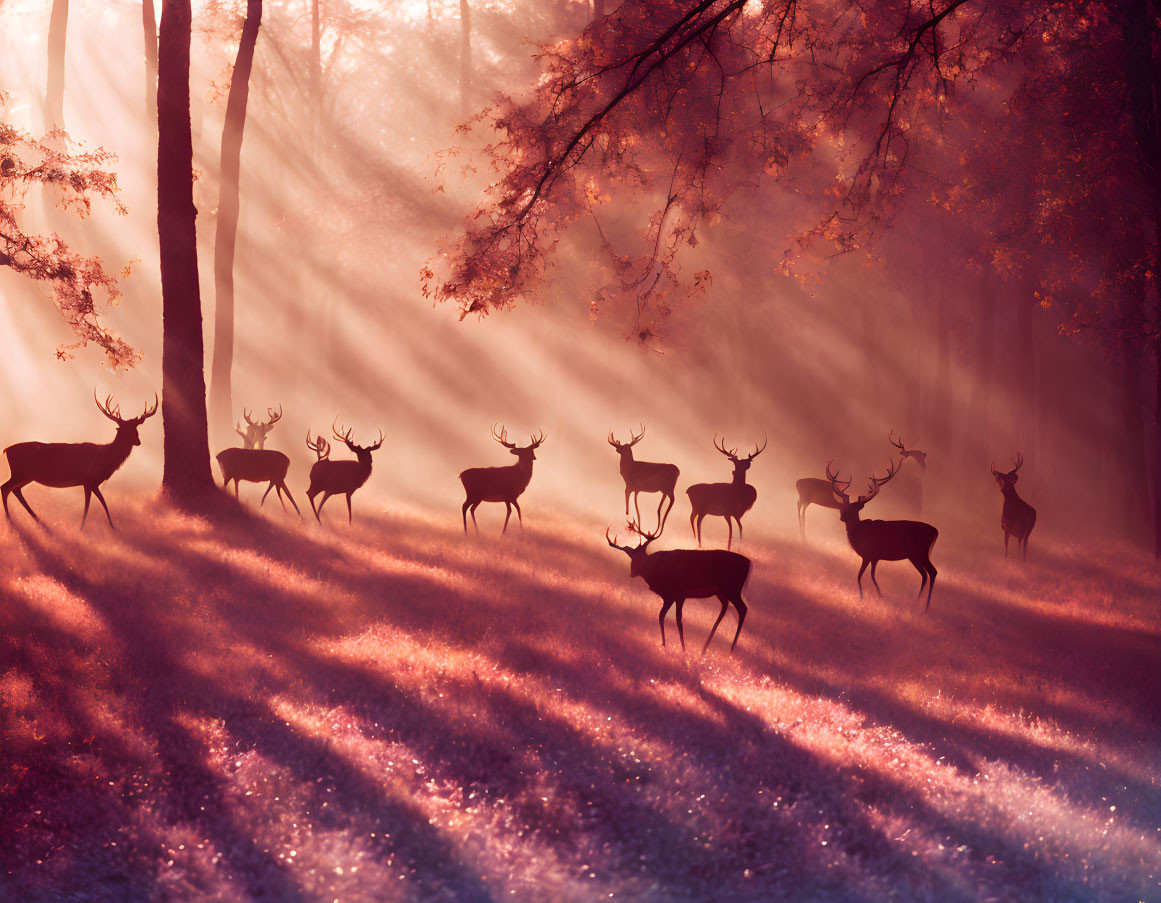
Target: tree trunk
465, 58
941, 426
598, 9
149, 33
981, 397
54, 85
186, 476
221, 403
1027, 372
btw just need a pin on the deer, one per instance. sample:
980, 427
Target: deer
338, 477
500, 484
645, 476
66, 464
729, 500
679, 574
885, 540
814, 491
920, 458
255, 464
1018, 517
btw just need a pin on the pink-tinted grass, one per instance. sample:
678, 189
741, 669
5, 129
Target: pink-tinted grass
266, 709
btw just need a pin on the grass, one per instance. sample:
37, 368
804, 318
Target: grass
263, 709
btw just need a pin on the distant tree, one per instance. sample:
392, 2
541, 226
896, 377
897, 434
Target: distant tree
225, 241
149, 34
186, 477
77, 281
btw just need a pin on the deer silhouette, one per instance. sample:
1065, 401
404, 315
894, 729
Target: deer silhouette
885, 540
65, 464
920, 458
814, 491
728, 500
338, 477
1018, 517
645, 476
500, 484
679, 574
254, 463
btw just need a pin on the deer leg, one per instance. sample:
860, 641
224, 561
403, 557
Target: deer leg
660, 525
1005, 543
1025, 548
739, 520
666, 604
667, 510
519, 516
507, 514
874, 565
922, 573
637, 507
725, 605
692, 526
627, 503
283, 488
101, 499
700, 518
350, 516
802, 519
464, 511
85, 513
474, 524
931, 585
20, 498
318, 514
267, 492
730, 535
866, 561
741, 607
680, 627
235, 488
310, 498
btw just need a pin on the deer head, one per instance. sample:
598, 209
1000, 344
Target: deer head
254, 435
126, 428
320, 447
345, 436
848, 510
624, 448
741, 465
919, 456
1008, 480
524, 453
637, 553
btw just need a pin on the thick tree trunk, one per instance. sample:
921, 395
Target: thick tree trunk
54, 84
465, 58
149, 33
221, 404
186, 476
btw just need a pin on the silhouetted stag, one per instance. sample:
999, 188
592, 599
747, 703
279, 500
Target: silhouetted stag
920, 458
724, 499
65, 464
885, 540
338, 477
680, 574
1018, 517
645, 476
255, 464
500, 484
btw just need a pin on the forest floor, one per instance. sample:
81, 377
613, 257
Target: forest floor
267, 709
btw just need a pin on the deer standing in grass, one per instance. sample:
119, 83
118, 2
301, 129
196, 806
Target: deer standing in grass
500, 484
65, 464
728, 500
814, 491
338, 477
680, 574
254, 463
1018, 517
645, 476
885, 540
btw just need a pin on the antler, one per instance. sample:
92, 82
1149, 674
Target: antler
149, 411
540, 437
246, 414
732, 455
648, 537
320, 447
633, 440
342, 437
613, 541
758, 451
107, 408
899, 444
1018, 461
274, 418
502, 436
874, 484
379, 443
835, 480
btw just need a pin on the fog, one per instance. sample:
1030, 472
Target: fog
331, 323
